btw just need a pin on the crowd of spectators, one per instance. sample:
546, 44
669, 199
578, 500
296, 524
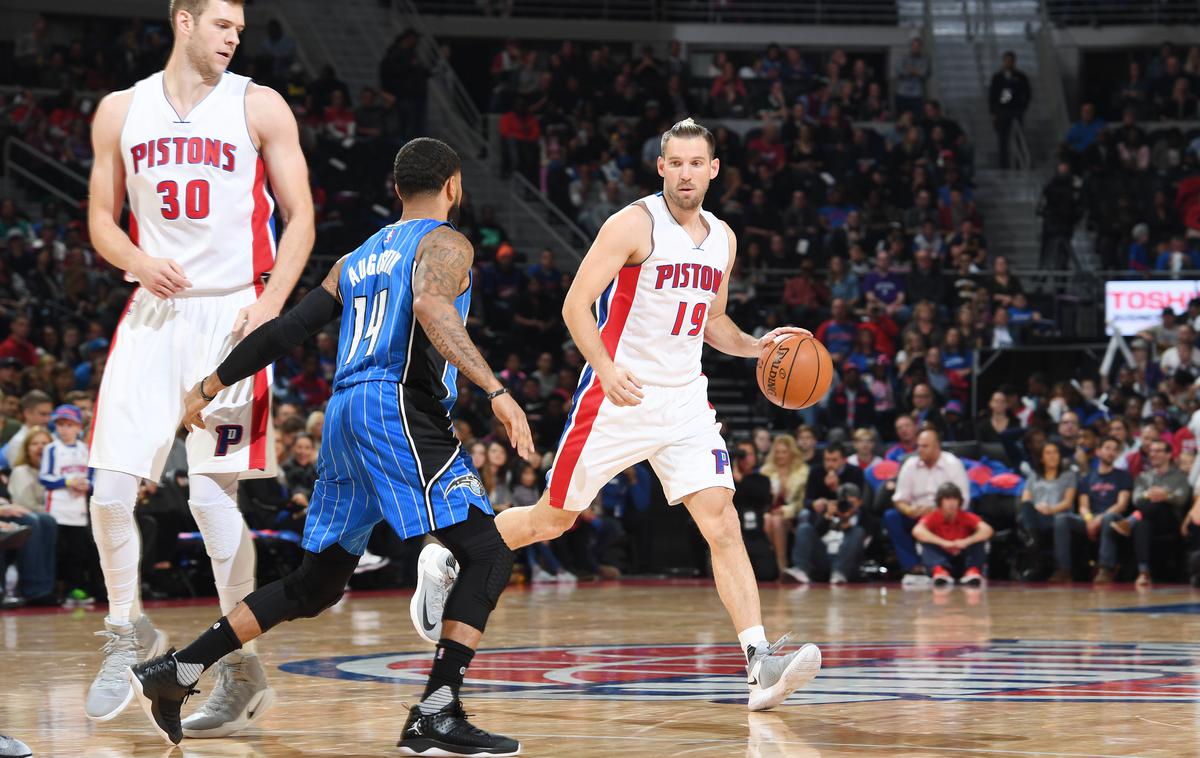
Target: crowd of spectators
868, 235
1135, 183
1094, 478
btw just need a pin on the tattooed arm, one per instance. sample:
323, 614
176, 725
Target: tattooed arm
443, 268
443, 273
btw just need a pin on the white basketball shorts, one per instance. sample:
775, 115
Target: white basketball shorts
674, 428
160, 350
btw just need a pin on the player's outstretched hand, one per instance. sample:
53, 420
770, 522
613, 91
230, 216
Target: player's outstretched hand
621, 387
517, 426
779, 333
162, 276
193, 404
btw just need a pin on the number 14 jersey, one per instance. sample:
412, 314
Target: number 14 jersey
380, 339
197, 186
652, 316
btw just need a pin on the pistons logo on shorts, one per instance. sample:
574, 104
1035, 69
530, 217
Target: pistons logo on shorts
722, 459
228, 435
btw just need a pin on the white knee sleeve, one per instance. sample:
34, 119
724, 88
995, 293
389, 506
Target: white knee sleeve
113, 497
118, 542
213, 502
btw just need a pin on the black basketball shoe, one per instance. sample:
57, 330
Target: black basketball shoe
448, 733
156, 686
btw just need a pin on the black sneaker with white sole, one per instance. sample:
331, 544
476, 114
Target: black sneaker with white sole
448, 733
156, 686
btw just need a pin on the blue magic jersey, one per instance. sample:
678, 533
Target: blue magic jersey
380, 339
389, 450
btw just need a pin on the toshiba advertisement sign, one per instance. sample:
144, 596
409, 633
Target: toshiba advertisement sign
1131, 306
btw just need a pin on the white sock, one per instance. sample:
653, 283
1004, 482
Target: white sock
749, 638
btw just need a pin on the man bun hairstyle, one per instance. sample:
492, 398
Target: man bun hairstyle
688, 129
423, 165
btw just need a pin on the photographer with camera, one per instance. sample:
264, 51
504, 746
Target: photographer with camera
833, 528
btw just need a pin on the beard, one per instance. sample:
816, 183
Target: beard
685, 202
453, 215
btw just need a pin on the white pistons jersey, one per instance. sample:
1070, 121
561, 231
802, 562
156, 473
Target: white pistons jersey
197, 186
652, 316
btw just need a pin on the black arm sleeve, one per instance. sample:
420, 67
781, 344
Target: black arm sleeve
277, 337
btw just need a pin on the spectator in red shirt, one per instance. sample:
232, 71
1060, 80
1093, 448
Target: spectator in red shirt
18, 345
805, 296
768, 147
952, 539
519, 136
338, 121
310, 384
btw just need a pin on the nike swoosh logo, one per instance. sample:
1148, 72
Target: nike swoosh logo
753, 682
429, 625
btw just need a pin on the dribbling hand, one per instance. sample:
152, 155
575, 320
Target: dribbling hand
516, 424
163, 277
778, 333
621, 387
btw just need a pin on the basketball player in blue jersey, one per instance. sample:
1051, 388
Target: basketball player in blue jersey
388, 452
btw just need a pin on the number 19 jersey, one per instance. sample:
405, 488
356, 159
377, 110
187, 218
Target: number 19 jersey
652, 316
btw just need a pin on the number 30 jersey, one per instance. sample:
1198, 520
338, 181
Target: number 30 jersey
652, 317
197, 186
380, 338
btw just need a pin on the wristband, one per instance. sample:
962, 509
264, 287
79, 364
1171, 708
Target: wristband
203, 394
493, 395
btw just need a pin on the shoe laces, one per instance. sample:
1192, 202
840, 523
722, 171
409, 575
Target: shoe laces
775, 646
120, 652
457, 711
165, 666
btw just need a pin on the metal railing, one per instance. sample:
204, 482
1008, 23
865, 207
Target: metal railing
1114, 12
466, 128
24, 162
1050, 81
932, 84
853, 12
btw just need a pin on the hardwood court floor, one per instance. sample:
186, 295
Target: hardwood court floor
648, 669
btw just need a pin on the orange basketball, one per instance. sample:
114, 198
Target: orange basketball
795, 372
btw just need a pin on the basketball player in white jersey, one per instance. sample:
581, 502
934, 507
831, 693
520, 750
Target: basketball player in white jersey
194, 149
658, 274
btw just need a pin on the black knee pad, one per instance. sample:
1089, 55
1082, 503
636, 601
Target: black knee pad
313, 587
484, 566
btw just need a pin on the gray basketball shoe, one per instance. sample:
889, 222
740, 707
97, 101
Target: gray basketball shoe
773, 676
127, 645
240, 697
11, 747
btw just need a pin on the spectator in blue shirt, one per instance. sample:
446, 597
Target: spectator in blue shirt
1083, 132
837, 333
1177, 257
1140, 250
627, 498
